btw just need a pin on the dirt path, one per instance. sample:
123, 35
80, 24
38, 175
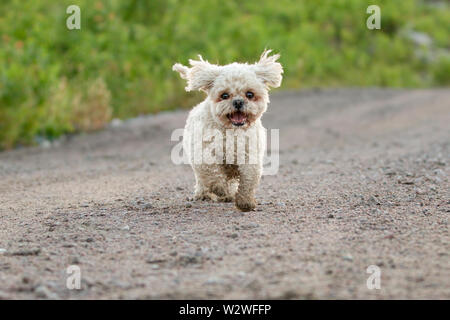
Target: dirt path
363, 180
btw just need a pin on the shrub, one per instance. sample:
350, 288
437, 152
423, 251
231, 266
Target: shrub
55, 81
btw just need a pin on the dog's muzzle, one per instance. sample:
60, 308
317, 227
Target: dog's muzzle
238, 104
237, 118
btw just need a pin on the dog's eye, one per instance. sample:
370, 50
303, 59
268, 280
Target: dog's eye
249, 95
224, 96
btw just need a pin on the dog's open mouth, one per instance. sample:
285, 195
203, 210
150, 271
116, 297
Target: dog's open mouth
237, 118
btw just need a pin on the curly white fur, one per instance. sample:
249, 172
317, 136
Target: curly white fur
229, 180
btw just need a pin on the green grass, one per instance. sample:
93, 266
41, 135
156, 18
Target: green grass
55, 81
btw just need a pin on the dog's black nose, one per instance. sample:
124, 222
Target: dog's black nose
238, 103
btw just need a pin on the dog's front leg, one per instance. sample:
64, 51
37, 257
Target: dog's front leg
249, 175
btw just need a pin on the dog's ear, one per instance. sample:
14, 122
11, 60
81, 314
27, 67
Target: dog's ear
269, 70
200, 76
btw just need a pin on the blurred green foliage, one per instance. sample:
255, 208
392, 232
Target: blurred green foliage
55, 81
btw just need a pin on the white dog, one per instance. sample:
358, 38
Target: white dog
237, 98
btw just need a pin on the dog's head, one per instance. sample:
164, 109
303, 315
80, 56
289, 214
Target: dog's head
238, 91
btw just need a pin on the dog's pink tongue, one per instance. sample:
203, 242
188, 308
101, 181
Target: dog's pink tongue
238, 117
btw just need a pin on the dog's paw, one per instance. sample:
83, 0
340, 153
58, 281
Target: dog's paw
245, 203
207, 196
226, 199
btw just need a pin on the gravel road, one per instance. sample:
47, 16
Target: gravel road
363, 180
